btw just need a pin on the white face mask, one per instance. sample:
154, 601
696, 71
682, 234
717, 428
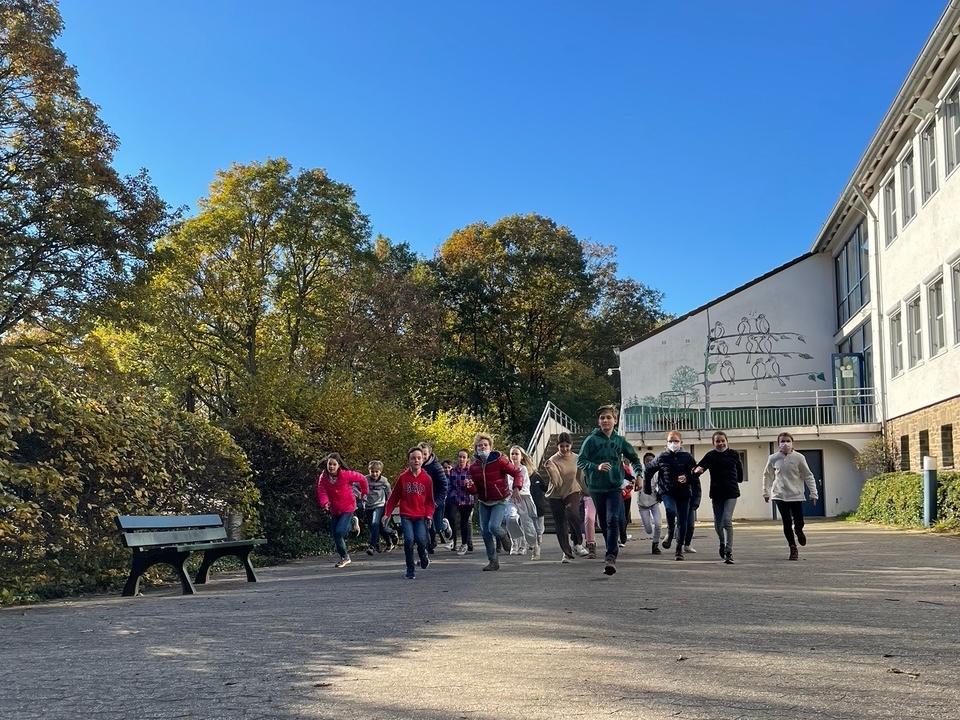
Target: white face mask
673, 446
482, 454
786, 446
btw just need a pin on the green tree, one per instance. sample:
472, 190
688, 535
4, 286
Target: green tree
71, 228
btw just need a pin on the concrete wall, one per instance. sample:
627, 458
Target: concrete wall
798, 299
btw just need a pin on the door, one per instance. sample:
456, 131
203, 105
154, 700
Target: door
848, 387
815, 461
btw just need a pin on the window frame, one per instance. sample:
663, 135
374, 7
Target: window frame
929, 180
914, 332
955, 288
908, 187
896, 343
950, 112
905, 452
947, 459
936, 322
852, 297
890, 209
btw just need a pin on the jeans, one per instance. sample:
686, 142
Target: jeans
791, 513
414, 530
691, 518
723, 521
373, 518
670, 505
566, 520
650, 517
339, 527
491, 524
625, 518
609, 506
439, 506
681, 507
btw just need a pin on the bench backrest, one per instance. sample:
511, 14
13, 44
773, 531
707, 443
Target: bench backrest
163, 530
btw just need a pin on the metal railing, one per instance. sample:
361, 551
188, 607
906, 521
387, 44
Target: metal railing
788, 409
553, 420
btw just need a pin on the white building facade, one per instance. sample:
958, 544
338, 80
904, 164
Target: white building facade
856, 339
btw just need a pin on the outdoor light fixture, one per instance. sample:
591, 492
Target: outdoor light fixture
922, 107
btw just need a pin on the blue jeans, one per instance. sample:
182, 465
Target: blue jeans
681, 513
414, 530
691, 518
339, 527
723, 521
373, 518
440, 505
610, 513
491, 523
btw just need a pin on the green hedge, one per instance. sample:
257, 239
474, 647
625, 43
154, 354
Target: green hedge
897, 499
72, 459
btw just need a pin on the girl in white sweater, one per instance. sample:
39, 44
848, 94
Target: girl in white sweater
784, 479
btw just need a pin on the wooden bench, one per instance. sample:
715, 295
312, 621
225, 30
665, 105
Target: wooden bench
171, 538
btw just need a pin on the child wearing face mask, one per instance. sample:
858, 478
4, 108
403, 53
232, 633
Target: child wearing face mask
675, 466
784, 479
726, 474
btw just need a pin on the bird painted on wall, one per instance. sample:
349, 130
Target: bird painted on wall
763, 325
727, 371
759, 372
743, 328
775, 371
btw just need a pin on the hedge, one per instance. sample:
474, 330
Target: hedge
897, 499
71, 460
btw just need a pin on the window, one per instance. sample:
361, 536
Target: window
861, 341
928, 158
951, 128
890, 210
852, 269
935, 315
904, 452
909, 199
924, 444
914, 333
896, 344
956, 302
946, 446
743, 461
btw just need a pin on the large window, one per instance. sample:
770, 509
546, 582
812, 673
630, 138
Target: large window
935, 314
951, 128
896, 344
928, 160
956, 302
852, 268
946, 446
914, 332
861, 341
890, 210
907, 187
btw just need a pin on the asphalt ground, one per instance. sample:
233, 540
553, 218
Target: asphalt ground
865, 625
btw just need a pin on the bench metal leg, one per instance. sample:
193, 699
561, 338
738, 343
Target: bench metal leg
248, 566
211, 556
137, 568
144, 560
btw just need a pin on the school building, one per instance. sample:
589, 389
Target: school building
857, 338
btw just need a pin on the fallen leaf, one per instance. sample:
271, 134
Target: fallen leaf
681, 658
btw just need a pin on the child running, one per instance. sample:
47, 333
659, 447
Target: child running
523, 499
379, 490
649, 506
413, 494
726, 474
460, 501
785, 475
335, 496
564, 494
488, 481
675, 466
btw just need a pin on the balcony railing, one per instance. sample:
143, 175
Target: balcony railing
789, 409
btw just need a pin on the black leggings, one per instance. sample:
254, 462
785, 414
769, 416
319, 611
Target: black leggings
791, 513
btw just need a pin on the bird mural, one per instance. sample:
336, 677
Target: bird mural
743, 327
763, 325
774, 366
759, 372
717, 331
727, 372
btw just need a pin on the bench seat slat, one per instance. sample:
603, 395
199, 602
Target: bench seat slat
216, 545
169, 538
167, 522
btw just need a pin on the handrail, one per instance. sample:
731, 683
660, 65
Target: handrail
560, 419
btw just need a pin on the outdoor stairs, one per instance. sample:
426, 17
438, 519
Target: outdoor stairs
576, 439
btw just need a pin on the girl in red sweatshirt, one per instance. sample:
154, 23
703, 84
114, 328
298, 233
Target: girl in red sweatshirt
413, 493
335, 496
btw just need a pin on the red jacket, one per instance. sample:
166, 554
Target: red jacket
338, 492
414, 494
490, 477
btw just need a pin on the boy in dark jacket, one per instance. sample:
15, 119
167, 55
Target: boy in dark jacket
677, 482
441, 483
601, 459
726, 474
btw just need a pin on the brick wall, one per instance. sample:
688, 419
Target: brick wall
931, 419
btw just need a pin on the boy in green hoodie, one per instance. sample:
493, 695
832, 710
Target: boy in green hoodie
601, 459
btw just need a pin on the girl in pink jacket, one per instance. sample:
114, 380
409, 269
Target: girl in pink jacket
335, 495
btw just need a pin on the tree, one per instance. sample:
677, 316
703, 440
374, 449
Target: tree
71, 228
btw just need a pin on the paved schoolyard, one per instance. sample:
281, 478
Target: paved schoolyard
864, 626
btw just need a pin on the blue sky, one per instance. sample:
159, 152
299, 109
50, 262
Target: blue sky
705, 140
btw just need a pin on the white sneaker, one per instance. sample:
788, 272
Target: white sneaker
445, 530
449, 546
343, 563
688, 549
535, 553
355, 525
580, 550
564, 559
629, 537
462, 550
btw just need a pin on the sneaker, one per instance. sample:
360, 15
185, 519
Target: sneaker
469, 548
580, 550
535, 553
610, 566
492, 565
450, 546
369, 551
620, 544
390, 546
794, 554
355, 525
656, 549
591, 550
343, 562
723, 550
445, 529
678, 556
801, 538
430, 549
462, 550
410, 575
728, 559
564, 559
424, 560
507, 543
629, 538
667, 541
689, 549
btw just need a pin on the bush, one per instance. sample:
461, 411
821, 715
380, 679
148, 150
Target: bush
71, 461
897, 499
